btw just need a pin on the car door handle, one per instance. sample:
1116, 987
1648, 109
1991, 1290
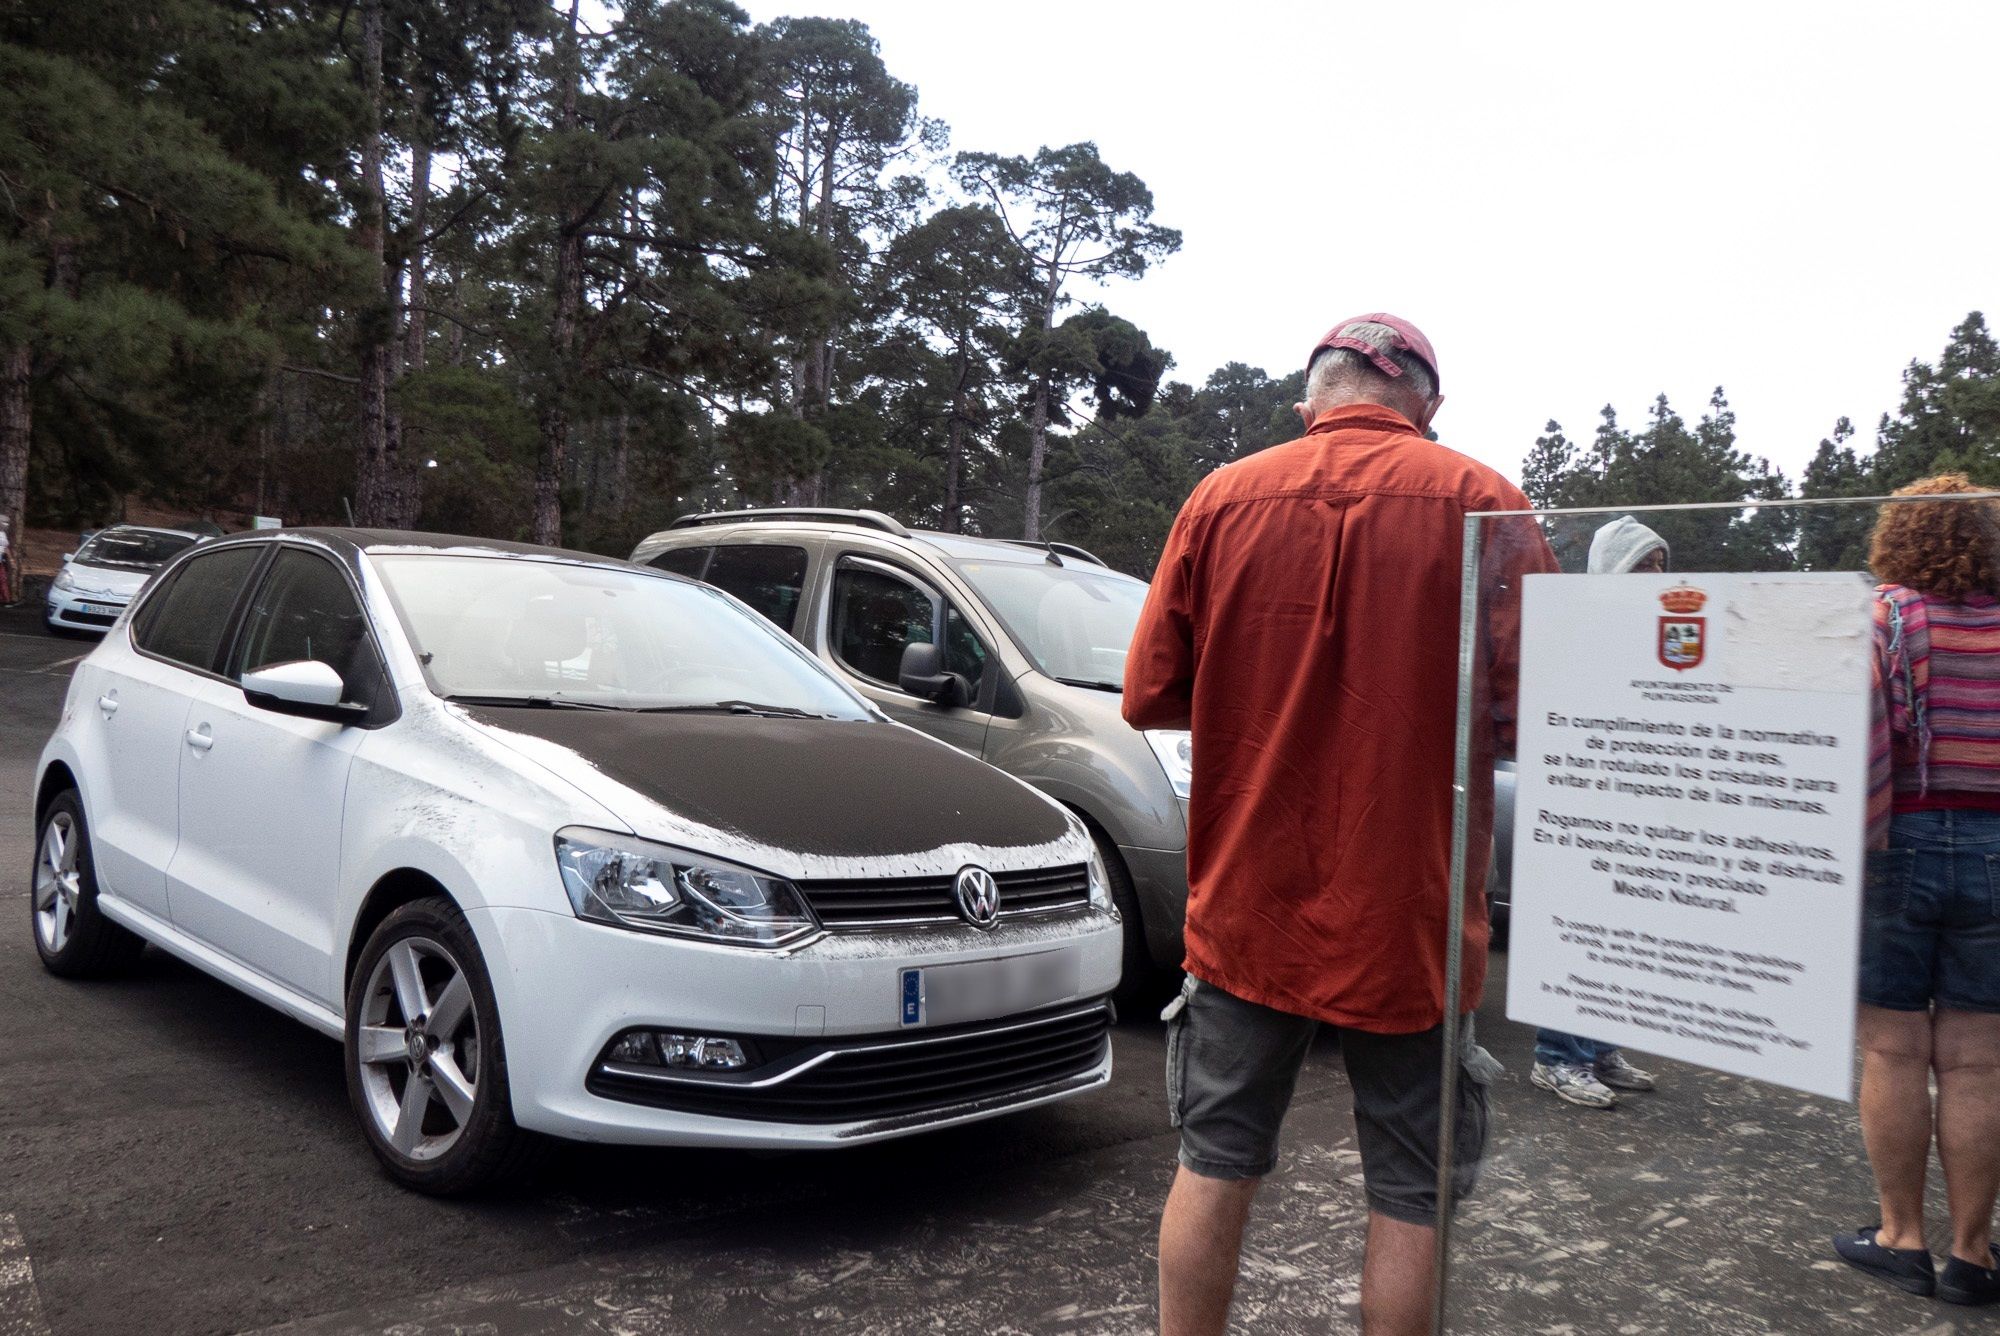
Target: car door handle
200, 739
108, 704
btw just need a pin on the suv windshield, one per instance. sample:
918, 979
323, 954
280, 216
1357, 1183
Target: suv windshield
133, 549
500, 630
1074, 621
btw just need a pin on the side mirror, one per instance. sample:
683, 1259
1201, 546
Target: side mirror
922, 675
304, 687
68, 557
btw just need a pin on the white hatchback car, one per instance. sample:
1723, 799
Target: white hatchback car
98, 579
558, 845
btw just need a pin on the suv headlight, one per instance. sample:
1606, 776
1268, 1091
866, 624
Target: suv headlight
628, 882
1175, 748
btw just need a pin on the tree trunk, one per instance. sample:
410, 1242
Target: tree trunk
16, 429
378, 498
954, 445
1038, 446
554, 417
420, 198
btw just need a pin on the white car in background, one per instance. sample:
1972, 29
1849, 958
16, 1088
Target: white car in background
101, 577
560, 845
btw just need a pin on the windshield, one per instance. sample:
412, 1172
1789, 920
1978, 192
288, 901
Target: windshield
133, 549
499, 630
1074, 621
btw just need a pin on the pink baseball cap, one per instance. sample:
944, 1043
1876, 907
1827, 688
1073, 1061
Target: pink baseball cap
1408, 339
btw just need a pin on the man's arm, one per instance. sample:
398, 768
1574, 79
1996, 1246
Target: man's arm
1159, 670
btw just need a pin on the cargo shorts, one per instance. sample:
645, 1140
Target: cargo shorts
1232, 1066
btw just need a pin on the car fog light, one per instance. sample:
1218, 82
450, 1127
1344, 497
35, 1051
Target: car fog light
638, 1046
656, 1048
687, 1050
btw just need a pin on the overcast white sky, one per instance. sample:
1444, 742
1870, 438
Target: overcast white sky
1579, 203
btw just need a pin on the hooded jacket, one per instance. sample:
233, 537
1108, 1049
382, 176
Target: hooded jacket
1621, 545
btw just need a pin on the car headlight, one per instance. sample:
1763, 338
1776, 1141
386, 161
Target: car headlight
1100, 879
1175, 748
628, 882
64, 580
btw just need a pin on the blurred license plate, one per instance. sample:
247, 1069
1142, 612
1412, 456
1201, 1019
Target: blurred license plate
102, 609
981, 989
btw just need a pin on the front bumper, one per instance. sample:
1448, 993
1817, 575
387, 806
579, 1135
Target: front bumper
566, 989
83, 612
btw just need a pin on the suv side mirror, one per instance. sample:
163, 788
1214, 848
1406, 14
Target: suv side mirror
304, 687
68, 557
922, 675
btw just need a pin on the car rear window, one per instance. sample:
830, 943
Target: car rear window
186, 620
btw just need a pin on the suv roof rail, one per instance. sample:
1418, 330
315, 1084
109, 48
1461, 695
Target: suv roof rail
873, 519
1061, 549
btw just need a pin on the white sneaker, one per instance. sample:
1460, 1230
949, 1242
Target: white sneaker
1614, 1071
1578, 1085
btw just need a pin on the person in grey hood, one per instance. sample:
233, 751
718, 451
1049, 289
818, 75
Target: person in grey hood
1570, 1067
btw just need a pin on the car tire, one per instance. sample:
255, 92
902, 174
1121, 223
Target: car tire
1141, 983
454, 1133
72, 936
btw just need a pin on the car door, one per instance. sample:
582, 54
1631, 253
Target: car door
257, 871
873, 609
137, 697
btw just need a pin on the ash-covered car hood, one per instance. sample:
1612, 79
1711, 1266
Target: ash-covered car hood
795, 797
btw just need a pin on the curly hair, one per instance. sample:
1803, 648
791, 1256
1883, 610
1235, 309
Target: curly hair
1944, 551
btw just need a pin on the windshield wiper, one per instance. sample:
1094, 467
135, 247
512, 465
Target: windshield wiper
737, 707
533, 702
1094, 686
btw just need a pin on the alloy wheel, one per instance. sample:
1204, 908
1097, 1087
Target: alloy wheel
418, 1048
58, 883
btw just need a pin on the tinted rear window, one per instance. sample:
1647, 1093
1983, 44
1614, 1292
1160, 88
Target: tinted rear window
768, 577
186, 619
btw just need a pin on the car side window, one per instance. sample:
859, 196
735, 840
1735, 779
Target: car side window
874, 615
187, 618
769, 577
964, 653
687, 561
305, 609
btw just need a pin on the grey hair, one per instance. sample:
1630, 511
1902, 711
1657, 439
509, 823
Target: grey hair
1339, 371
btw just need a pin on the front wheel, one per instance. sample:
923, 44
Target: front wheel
426, 1068
1141, 984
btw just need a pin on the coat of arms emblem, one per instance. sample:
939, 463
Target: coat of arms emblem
1683, 636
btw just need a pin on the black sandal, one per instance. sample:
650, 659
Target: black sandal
1906, 1268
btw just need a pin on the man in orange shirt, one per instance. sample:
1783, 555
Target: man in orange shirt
1303, 622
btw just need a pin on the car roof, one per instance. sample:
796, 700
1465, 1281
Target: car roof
147, 528
351, 543
956, 546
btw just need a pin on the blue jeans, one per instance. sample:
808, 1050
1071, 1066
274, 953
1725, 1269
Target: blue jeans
1553, 1047
1931, 931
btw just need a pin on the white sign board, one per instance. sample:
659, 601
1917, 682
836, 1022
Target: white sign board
266, 522
1689, 821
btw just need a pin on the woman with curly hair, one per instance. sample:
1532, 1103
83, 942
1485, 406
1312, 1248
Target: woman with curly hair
1930, 937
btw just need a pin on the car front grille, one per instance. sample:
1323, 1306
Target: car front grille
869, 1079
894, 901
86, 618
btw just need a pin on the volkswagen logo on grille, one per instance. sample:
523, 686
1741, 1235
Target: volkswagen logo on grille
978, 896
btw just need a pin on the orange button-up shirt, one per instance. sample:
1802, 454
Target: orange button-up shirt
1303, 621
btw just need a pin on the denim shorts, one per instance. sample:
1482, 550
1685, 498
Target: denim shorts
1231, 1068
1930, 931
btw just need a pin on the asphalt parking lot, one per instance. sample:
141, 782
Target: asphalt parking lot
176, 1159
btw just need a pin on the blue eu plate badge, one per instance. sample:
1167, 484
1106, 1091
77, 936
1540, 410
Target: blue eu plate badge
913, 997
